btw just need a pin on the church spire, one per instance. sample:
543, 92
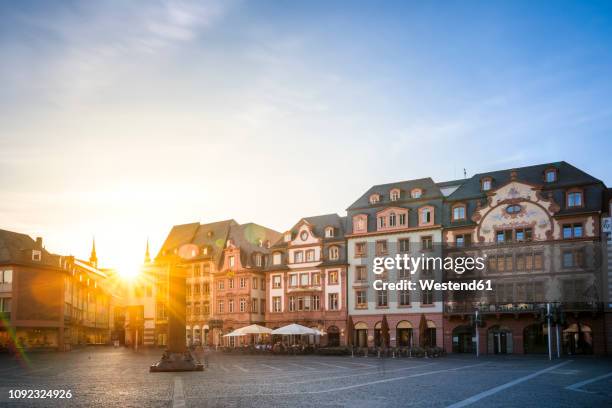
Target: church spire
147, 258
93, 258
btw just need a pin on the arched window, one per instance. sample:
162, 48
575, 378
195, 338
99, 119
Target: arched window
329, 232
550, 175
426, 216
416, 193
361, 334
458, 212
404, 334
395, 194
392, 220
486, 183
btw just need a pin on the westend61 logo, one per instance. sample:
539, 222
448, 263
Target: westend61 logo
412, 264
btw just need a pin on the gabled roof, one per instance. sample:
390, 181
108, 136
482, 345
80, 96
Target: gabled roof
319, 223
568, 175
16, 247
430, 190
247, 237
212, 235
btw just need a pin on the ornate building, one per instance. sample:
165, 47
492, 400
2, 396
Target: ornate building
306, 280
390, 219
539, 229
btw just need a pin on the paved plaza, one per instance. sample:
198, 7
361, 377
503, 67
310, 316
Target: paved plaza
119, 377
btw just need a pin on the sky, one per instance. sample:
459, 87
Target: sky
120, 119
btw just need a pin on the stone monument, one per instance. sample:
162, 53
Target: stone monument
177, 357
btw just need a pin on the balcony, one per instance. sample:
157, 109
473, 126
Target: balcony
6, 287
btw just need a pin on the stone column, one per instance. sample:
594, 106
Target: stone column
176, 309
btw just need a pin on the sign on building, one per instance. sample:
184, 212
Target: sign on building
606, 224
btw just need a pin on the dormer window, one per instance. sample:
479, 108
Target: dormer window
459, 212
36, 255
485, 184
374, 198
360, 223
334, 253
550, 175
416, 193
395, 194
260, 243
209, 234
329, 232
232, 261
276, 258
426, 216
258, 260
287, 237
574, 199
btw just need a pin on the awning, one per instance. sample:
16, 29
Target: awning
295, 329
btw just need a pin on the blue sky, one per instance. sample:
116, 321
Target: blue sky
122, 119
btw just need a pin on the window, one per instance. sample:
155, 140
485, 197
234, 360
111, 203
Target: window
425, 216
196, 310
572, 231
374, 198
276, 282
220, 307
402, 219
382, 222
221, 285
361, 298
276, 258
333, 278
427, 297
230, 283
381, 247
310, 255
254, 306
258, 260
316, 279
394, 195
293, 305
329, 232
316, 302
276, 304
298, 257
196, 270
404, 245
303, 279
293, 280
333, 301
232, 261
254, 283
197, 289
360, 249
404, 297
485, 184
426, 243
574, 199
242, 304
504, 236
404, 273
361, 273
382, 298
460, 240
523, 234
230, 305
459, 213
287, 237
243, 282
513, 209
416, 193
263, 283
551, 176
6, 276
36, 255
360, 223
573, 258
334, 253
392, 220
206, 309
262, 309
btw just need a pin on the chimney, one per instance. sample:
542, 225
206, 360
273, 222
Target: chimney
38, 242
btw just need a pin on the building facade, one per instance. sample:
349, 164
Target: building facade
49, 301
387, 220
538, 228
306, 280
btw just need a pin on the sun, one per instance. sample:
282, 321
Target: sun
129, 269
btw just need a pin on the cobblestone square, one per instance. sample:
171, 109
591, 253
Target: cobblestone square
119, 377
